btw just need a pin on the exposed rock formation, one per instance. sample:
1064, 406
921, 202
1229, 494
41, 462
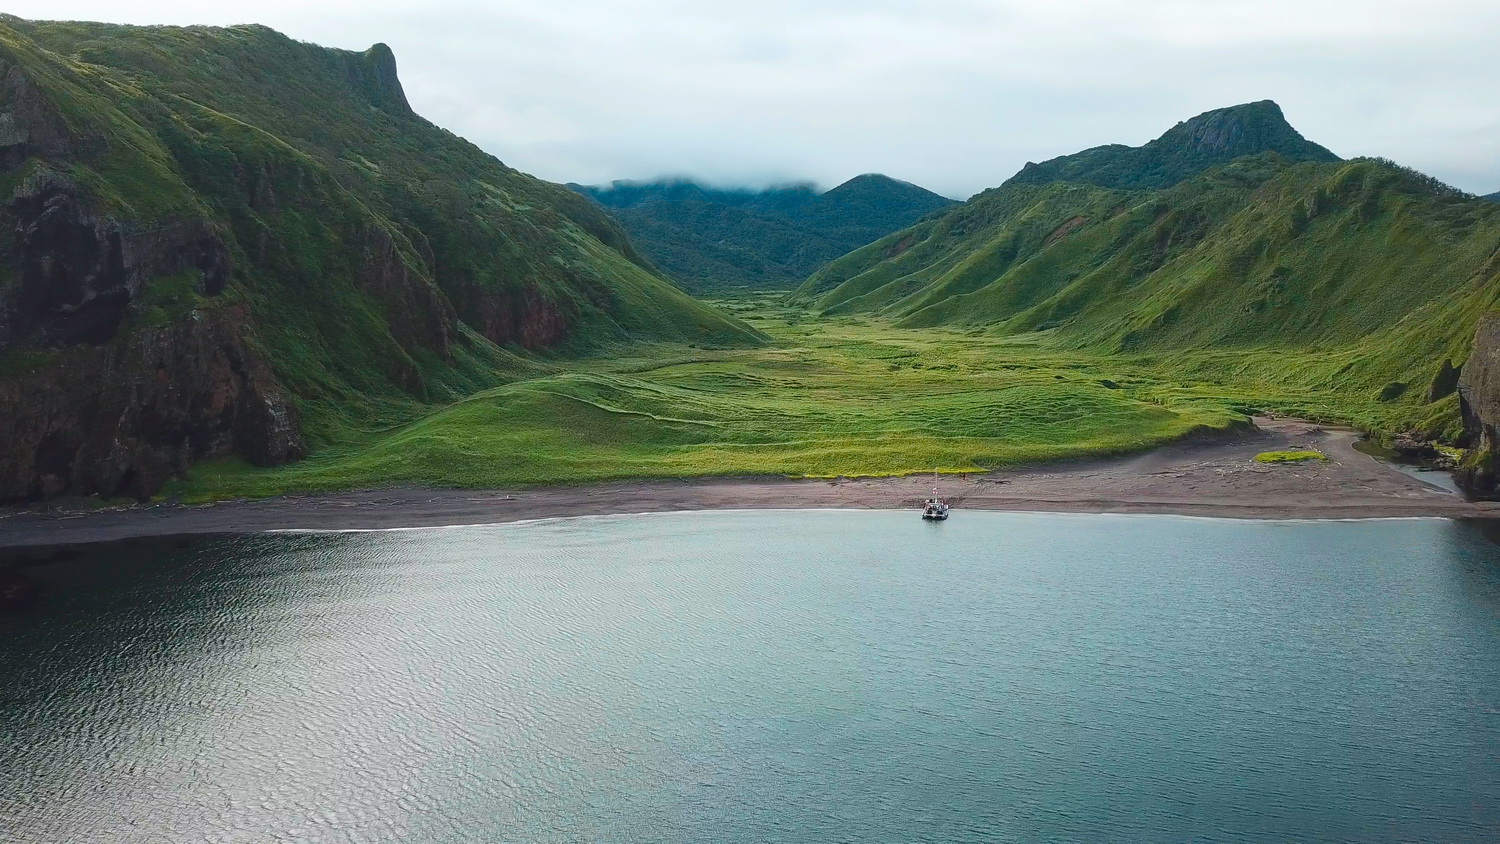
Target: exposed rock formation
1479, 400
75, 273
123, 418
29, 125
1445, 382
85, 407
374, 72
529, 320
418, 313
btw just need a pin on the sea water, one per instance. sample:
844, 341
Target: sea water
810, 676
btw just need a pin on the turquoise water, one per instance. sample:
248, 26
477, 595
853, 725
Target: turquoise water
775, 676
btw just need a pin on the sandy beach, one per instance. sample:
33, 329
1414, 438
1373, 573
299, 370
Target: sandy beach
1213, 477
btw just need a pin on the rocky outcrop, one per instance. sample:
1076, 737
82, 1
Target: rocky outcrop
526, 319
418, 313
1445, 382
76, 273
1479, 402
122, 419
93, 404
374, 73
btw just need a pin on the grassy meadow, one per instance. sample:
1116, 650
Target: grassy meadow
827, 396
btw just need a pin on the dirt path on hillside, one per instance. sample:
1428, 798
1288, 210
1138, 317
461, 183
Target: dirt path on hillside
1215, 477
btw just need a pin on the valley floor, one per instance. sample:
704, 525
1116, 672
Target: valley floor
1210, 476
824, 398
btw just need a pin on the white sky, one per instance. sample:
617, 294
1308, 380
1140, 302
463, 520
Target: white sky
954, 95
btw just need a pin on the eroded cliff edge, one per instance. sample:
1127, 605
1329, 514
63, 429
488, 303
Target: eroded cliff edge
1479, 401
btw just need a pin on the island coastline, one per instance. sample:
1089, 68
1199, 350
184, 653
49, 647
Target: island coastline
1203, 477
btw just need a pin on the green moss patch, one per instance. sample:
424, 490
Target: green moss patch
1289, 456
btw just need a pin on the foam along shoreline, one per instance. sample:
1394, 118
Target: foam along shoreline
1216, 478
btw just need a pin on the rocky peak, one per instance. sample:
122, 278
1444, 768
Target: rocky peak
1187, 149
374, 73
1242, 130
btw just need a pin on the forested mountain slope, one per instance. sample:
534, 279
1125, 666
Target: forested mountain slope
221, 241
710, 238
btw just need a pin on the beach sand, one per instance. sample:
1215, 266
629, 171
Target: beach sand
1202, 477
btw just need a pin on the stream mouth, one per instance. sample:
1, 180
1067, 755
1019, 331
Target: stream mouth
1424, 471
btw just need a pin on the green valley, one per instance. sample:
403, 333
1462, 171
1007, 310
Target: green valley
238, 265
850, 396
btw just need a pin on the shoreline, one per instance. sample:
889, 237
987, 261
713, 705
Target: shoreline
1209, 478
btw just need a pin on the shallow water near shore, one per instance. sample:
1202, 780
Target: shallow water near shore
765, 676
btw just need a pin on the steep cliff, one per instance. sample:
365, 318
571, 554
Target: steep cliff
1479, 401
222, 241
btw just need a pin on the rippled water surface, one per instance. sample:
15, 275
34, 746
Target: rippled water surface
748, 677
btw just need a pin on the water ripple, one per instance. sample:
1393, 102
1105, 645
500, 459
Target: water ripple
772, 676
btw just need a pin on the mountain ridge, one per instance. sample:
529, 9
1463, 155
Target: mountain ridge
1213, 137
1359, 275
709, 238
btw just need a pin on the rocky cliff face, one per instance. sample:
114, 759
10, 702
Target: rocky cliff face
74, 273
1479, 401
29, 125
91, 404
120, 419
90, 401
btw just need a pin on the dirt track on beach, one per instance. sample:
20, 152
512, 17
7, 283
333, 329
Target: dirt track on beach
1215, 477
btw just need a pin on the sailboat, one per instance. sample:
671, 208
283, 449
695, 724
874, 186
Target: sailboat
935, 509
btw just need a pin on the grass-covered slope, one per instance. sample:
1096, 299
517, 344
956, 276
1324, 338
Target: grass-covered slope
713, 239
266, 224
222, 110
826, 397
1362, 277
1189, 148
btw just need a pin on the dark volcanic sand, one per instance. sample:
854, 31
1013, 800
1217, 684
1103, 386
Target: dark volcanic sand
1203, 478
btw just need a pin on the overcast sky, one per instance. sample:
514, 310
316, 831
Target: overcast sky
954, 95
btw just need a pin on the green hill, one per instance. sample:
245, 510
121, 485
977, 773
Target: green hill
710, 238
1358, 277
1189, 148
223, 241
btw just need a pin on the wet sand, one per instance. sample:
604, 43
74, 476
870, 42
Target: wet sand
1216, 477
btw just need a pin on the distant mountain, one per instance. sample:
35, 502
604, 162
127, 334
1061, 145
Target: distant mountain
1492, 197
1187, 149
709, 238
